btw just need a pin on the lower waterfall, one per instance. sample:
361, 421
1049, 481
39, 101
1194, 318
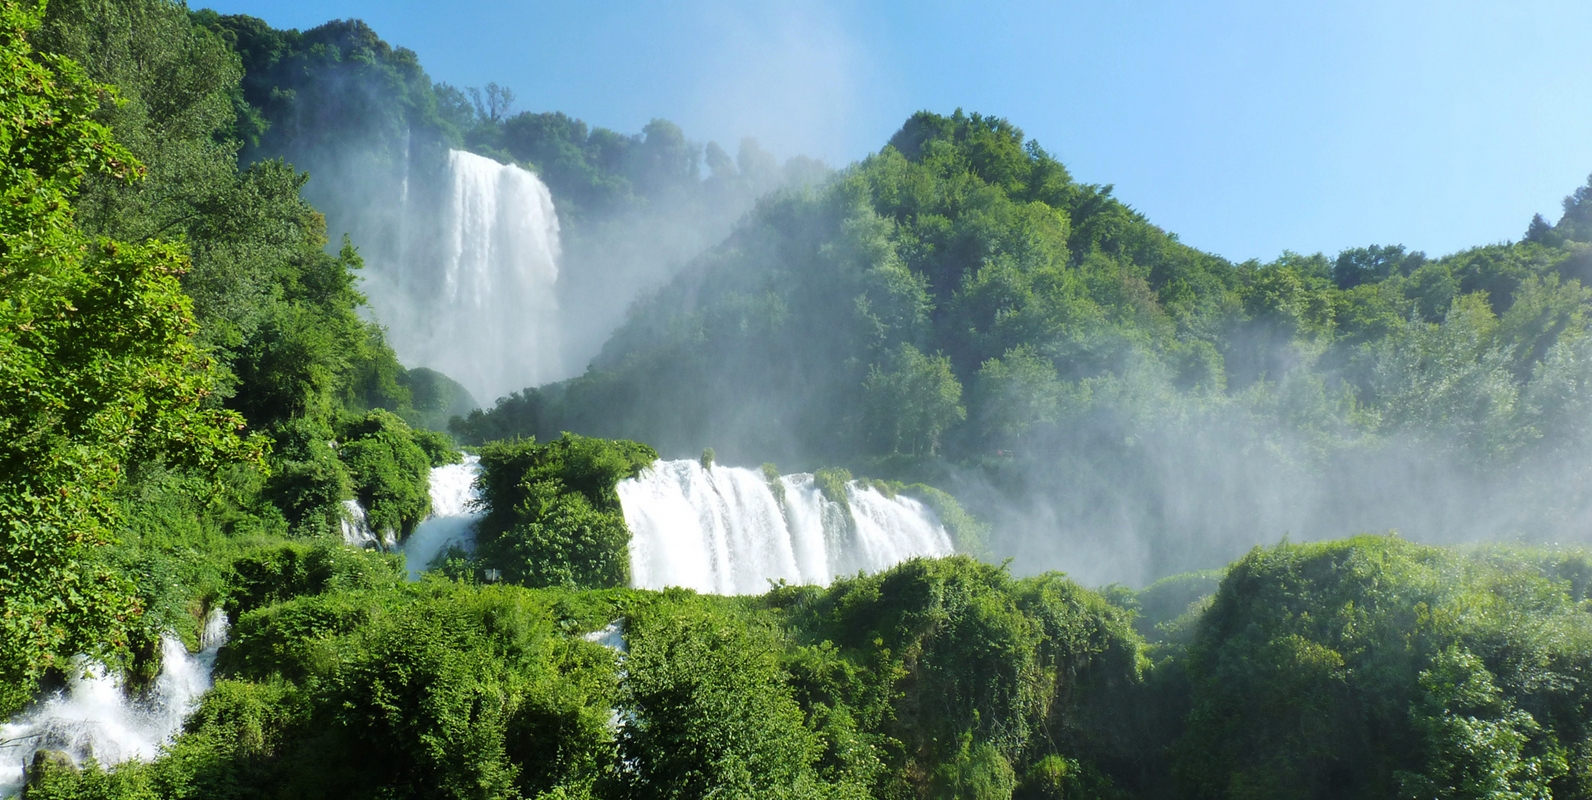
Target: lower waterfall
93, 716
728, 530
453, 516
724, 530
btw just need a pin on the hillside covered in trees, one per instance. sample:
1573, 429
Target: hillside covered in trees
192, 391
956, 308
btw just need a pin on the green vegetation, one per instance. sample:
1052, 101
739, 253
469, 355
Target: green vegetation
99, 369
1370, 668
188, 395
463, 691
185, 373
1378, 668
552, 517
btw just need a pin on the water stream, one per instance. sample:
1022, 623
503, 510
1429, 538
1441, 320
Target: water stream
453, 516
95, 716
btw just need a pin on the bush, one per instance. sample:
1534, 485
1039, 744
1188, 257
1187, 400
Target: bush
390, 471
708, 713
439, 447
1374, 667
435, 690
308, 481
267, 576
552, 515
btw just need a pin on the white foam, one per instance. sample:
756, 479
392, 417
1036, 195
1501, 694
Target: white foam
453, 516
724, 530
94, 716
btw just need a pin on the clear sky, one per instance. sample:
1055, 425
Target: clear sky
1247, 128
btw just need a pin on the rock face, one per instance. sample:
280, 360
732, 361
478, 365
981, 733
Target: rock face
46, 762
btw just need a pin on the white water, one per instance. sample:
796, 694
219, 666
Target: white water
453, 516
611, 636
723, 529
356, 527
93, 715
472, 293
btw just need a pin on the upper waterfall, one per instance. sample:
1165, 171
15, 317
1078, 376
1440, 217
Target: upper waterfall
471, 289
730, 530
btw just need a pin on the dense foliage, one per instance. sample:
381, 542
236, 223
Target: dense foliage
99, 368
1377, 668
1365, 668
551, 515
935, 677
183, 367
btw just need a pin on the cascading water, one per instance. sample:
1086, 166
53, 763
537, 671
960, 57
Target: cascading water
470, 292
94, 716
725, 530
356, 527
453, 516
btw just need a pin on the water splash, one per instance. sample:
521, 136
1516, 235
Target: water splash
453, 516
470, 292
725, 530
611, 636
356, 526
93, 717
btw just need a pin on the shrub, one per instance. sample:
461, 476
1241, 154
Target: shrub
390, 471
552, 515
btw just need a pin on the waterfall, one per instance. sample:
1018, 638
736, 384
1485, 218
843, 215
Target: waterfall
725, 530
470, 289
356, 526
94, 716
453, 516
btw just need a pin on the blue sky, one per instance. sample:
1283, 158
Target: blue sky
1245, 127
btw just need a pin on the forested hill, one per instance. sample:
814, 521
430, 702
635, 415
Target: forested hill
956, 308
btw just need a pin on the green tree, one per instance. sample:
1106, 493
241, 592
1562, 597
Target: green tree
99, 368
390, 472
1014, 393
709, 714
552, 514
910, 406
1477, 743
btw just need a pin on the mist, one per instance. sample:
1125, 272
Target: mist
1106, 428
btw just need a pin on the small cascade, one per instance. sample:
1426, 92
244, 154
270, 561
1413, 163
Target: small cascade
453, 516
356, 526
470, 289
611, 636
726, 530
94, 716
